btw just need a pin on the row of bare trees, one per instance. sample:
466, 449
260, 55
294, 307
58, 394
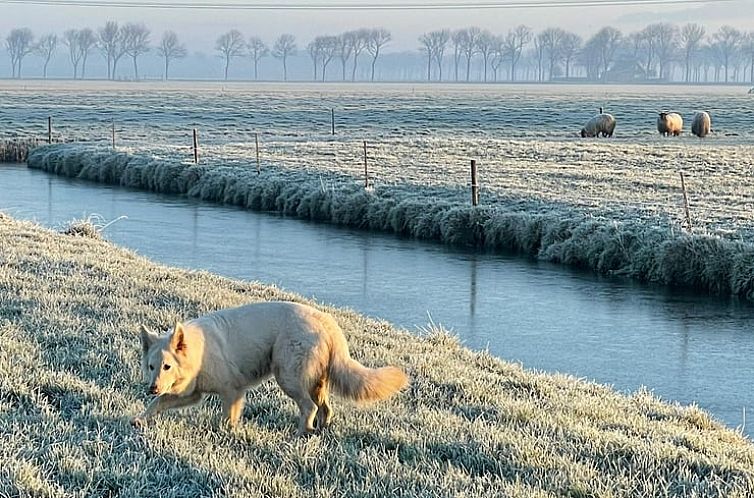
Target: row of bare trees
649, 54
322, 50
113, 41
132, 40
345, 47
660, 51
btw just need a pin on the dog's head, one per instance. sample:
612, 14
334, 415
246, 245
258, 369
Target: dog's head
164, 361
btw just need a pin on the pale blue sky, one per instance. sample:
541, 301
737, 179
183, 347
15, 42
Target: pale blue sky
200, 28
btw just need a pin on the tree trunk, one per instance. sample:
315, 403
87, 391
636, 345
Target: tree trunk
439, 69
136, 69
115, 64
167, 67
374, 61
285, 70
468, 67
227, 65
429, 68
256, 69
355, 62
344, 62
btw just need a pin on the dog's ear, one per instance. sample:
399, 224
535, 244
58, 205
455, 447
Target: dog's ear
178, 339
147, 338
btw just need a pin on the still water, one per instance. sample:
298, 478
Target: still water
684, 347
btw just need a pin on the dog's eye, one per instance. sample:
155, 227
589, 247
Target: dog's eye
166, 367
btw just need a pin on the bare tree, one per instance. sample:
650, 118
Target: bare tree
692, 36
727, 40
258, 50
551, 41
459, 40
570, 44
428, 45
514, 44
314, 49
378, 38
111, 45
87, 41
360, 39
136, 43
442, 38
540, 50
666, 47
19, 43
285, 46
230, 45
498, 56
329, 50
606, 41
71, 40
470, 47
46, 49
748, 49
170, 49
486, 44
345, 49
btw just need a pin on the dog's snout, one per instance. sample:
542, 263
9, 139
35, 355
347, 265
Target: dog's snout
152, 389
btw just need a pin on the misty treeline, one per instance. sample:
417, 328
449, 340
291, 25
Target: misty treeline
658, 52
114, 42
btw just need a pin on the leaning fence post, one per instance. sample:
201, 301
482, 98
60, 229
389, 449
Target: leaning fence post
49, 129
685, 201
474, 184
256, 141
113, 130
196, 147
366, 167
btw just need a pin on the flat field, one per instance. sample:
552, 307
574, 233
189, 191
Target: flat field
523, 136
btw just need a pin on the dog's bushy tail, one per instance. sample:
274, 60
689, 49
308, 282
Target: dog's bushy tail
354, 381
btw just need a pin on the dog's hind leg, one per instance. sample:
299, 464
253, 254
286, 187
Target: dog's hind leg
233, 402
321, 396
307, 407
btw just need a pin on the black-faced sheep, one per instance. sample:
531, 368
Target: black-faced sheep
670, 123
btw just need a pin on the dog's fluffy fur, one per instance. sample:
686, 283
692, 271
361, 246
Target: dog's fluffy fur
228, 351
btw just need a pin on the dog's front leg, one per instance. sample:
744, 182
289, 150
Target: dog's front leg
233, 402
165, 402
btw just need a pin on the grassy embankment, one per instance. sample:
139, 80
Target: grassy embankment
16, 151
470, 424
653, 251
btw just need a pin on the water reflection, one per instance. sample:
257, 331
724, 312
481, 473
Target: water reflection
685, 347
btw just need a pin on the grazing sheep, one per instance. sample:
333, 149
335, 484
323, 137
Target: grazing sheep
603, 124
670, 123
701, 125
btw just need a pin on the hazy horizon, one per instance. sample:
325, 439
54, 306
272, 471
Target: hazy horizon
200, 28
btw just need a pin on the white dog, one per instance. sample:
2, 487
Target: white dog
228, 351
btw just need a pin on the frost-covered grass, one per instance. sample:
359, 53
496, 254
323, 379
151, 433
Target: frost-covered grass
469, 425
16, 151
642, 245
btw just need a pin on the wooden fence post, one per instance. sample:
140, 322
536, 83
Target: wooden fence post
256, 141
366, 167
49, 129
196, 147
474, 184
332, 120
113, 134
685, 202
